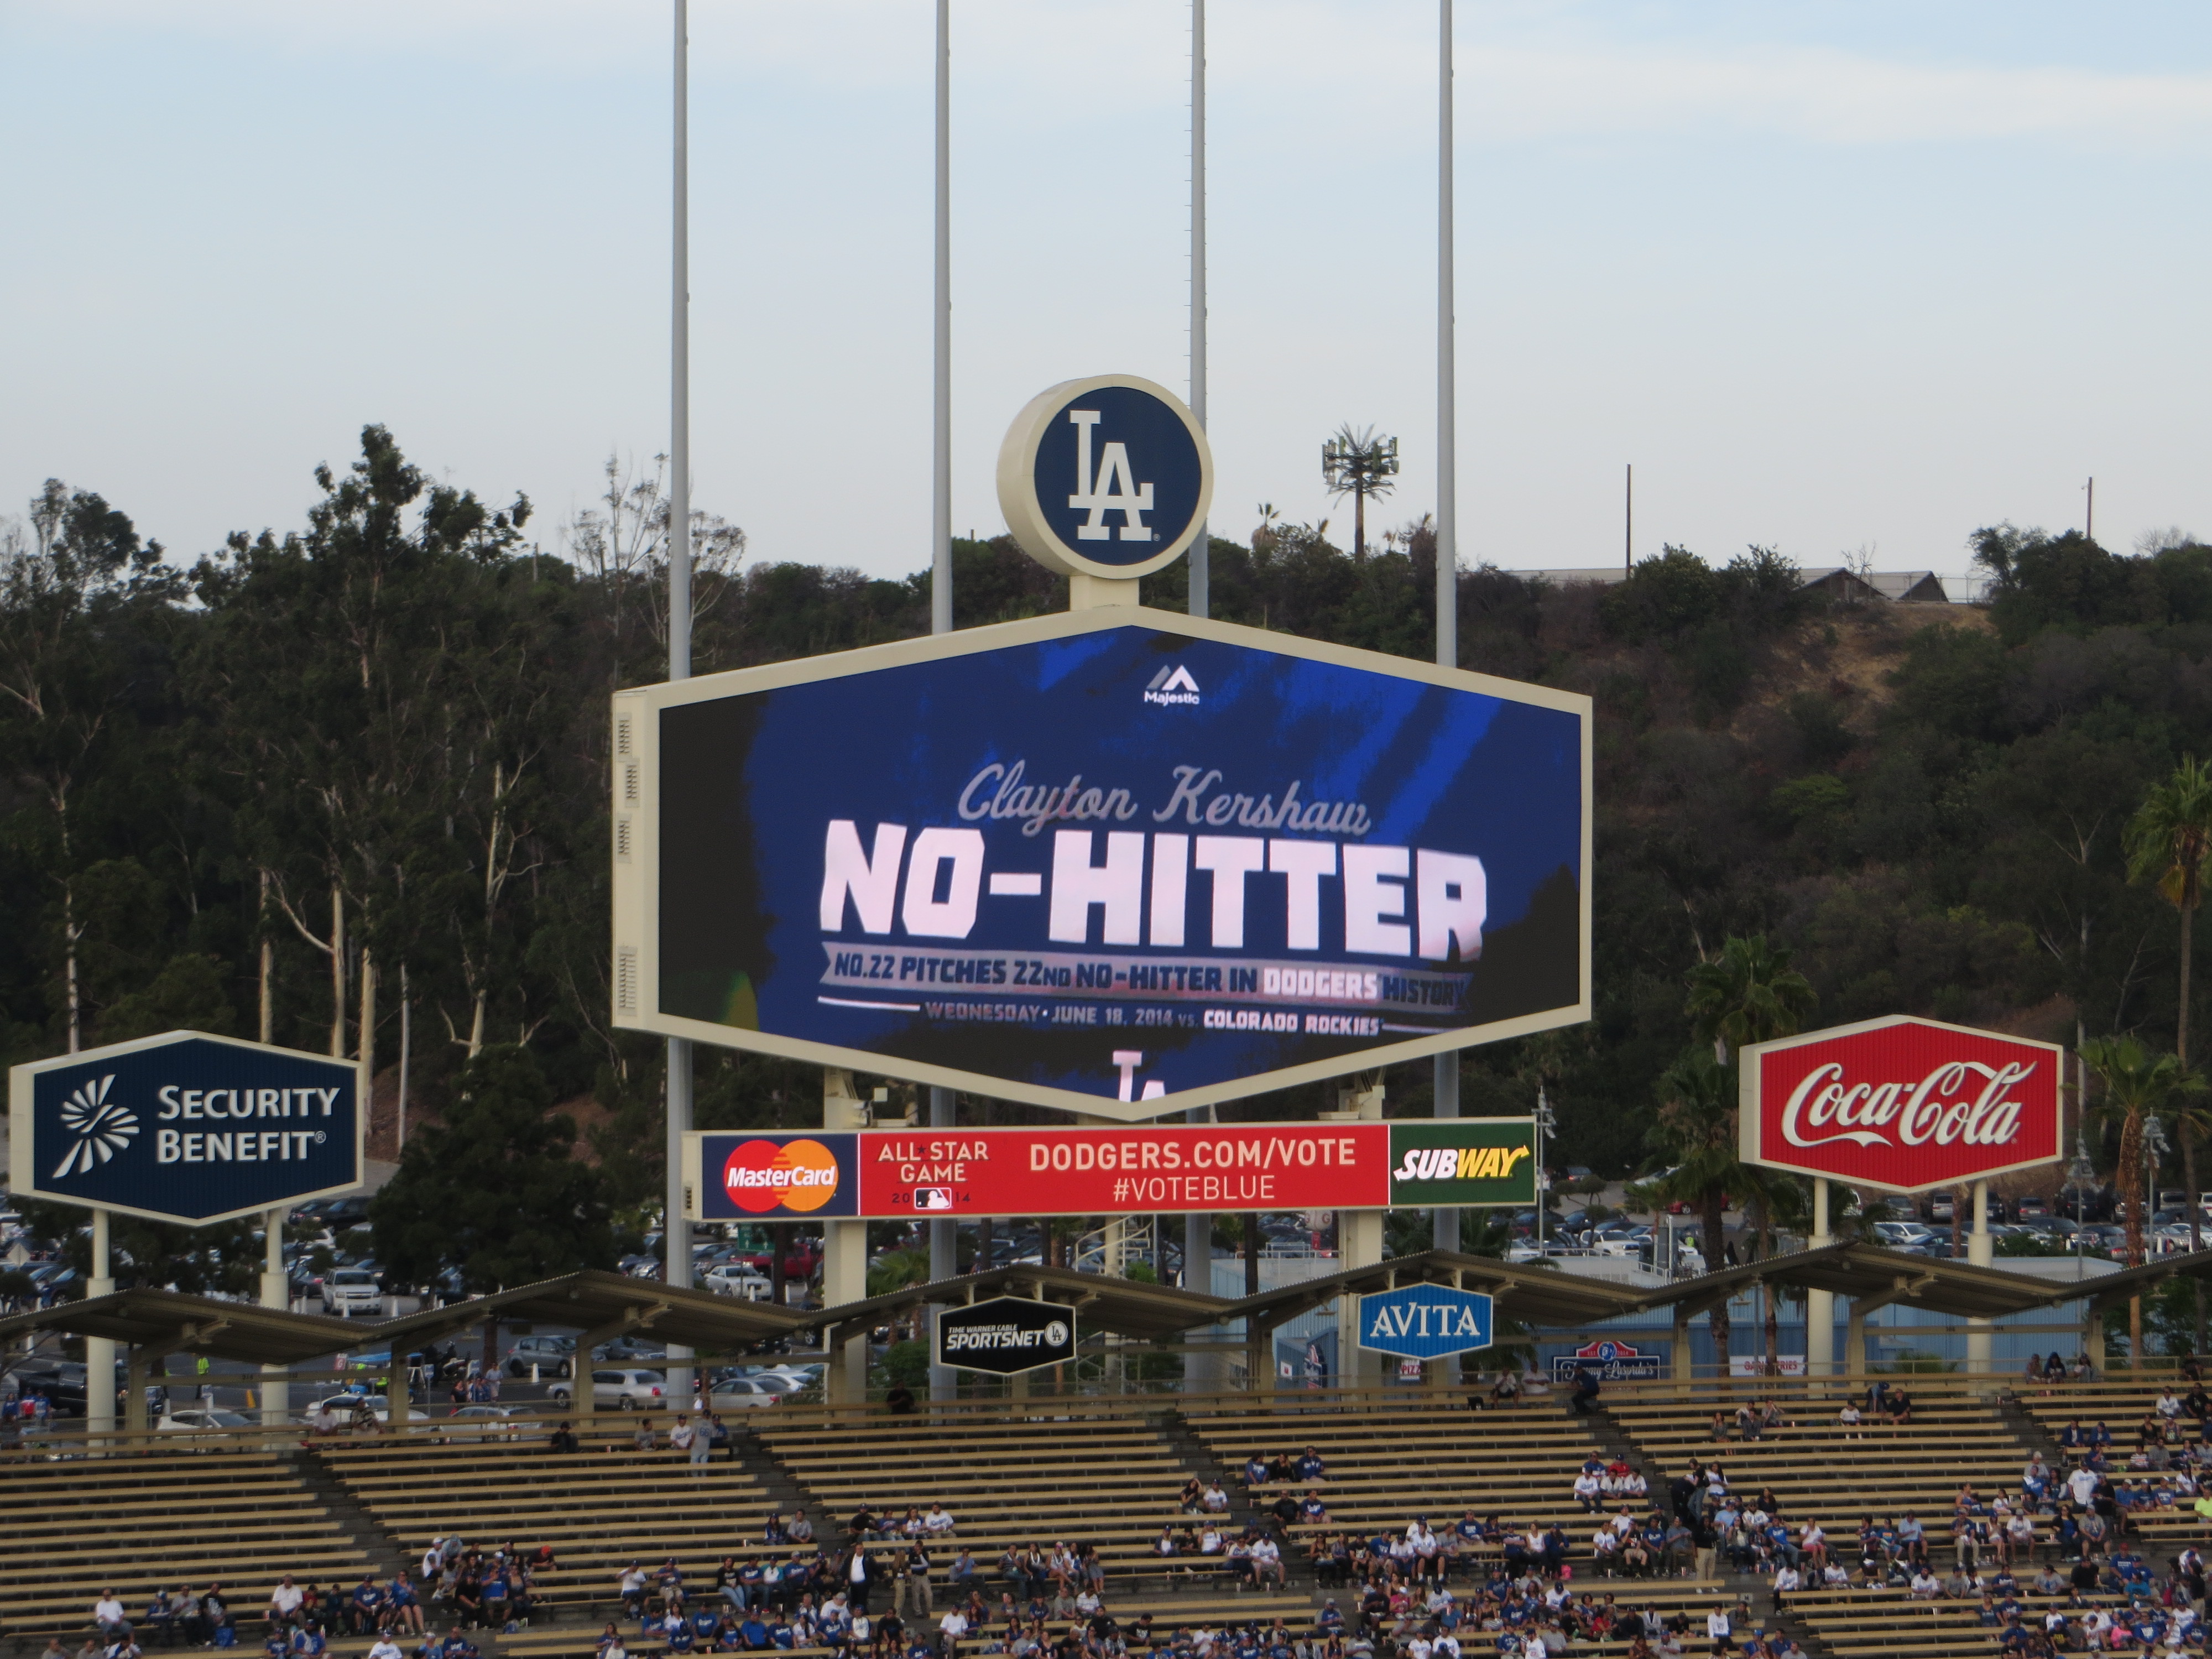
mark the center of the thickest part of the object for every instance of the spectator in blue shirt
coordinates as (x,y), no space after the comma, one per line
(753,1633)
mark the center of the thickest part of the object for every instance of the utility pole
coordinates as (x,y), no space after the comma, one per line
(675,1231)
(1445,1235)
(1628,523)
(2089,514)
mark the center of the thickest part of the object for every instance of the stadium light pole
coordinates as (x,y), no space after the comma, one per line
(1198,1225)
(1201,569)
(675,1231)
(943,1233)
(1446,1235)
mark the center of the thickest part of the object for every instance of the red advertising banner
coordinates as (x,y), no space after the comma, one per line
(1901,1104)
(1276,1166)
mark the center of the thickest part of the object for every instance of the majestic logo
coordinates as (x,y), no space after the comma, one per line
(798,1174)
(102,1126)
(1172,686)
(1112,488)
(1943,1107)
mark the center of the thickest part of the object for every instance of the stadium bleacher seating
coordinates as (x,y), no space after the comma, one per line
(140,1523)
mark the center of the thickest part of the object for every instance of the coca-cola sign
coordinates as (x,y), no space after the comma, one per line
(1901,1104)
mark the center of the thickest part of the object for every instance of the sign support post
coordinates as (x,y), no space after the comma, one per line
(99,1350)
(1359,1244)
(1819,1305)
(844,1256)
(1981,1250)
(276,1389)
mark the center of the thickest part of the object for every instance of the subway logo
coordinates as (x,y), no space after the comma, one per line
(1459,1163)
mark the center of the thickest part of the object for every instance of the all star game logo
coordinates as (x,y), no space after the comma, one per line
(1172,686)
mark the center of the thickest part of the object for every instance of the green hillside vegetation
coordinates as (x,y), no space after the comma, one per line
(395,712)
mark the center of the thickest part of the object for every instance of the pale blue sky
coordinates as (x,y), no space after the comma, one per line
(1832,276)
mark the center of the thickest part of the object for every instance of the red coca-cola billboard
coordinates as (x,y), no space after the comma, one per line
(1901,1104)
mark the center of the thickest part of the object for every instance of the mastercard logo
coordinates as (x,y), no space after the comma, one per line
(799,1175)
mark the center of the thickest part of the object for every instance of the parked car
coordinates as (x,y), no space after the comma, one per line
(1940,1207)
(1902,1235)
(199,1420)
(482,1423)
(737,1393)
(349,1290)
(630,1390)
(738,1279)
(553,1355)
(347,1407)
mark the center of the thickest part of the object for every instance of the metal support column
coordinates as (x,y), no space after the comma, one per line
(675,1230)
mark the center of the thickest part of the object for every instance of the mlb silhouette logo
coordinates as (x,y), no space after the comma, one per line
(932,1198)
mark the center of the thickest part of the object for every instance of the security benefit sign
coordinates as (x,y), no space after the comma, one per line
(184,1127)
(1118,862)
(1004,1336)
(1424,1321)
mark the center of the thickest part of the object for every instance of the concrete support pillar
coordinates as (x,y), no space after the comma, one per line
(1360,1241)
(2093,1339)
(1359,1235)
(1980,1251)
(1680,1368)
(275,1292)
(1821,1305)
(99,1350)
(1854,1340)
(1201,1373)
(844,1255)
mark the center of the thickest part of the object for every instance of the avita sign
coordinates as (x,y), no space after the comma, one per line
(1901,1104)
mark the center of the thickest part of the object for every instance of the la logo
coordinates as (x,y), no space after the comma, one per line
(1112,488)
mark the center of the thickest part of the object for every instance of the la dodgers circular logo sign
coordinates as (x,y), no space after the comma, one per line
(798,1174)
(1105,477)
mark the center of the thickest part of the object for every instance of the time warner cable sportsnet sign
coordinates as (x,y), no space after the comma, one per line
(884,1174)
(1901,1104)
(184,1127)
(1119,860)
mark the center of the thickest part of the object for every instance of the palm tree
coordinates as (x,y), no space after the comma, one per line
(2136,1083)
(1746,994)
(1695,1132)
(2167,842)
(1359,464)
